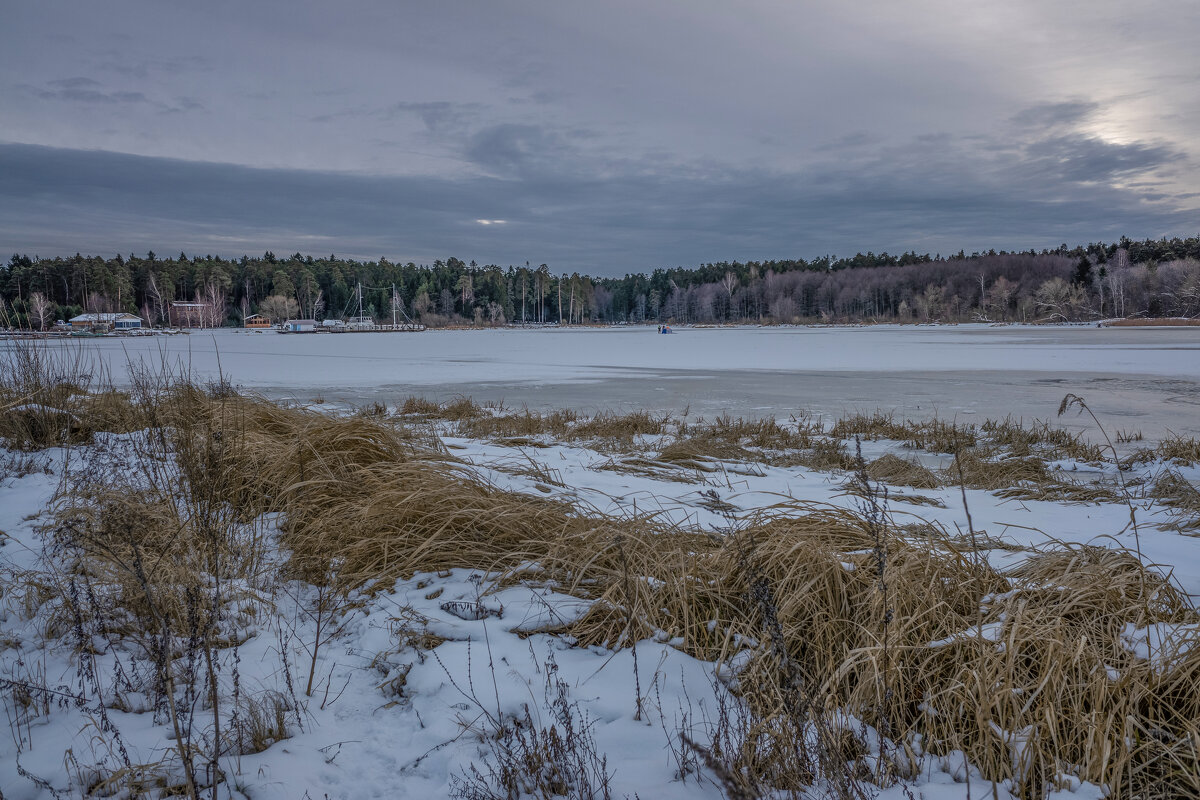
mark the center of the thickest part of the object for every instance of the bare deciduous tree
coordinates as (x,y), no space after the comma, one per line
(1000,296)
(39,310)
(1059,301)
(278,308)
(212,309)
(729,283)
(156,299)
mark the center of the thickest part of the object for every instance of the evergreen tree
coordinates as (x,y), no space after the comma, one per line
(1083,272)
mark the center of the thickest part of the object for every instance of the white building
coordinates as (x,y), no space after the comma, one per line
(300,325)
(116,322)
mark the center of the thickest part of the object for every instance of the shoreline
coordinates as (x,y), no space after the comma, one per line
(1124,322)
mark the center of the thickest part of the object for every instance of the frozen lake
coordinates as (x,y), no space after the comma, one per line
(1144,379)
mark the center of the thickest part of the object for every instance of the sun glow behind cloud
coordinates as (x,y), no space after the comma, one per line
(491,221)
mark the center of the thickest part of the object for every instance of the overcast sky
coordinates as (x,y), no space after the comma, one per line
(604,137)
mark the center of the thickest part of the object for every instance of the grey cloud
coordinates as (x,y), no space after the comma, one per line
(1088,159)
(542,97)
(91,92)
(72,94)
(1050,115)
(74,83)
(850,141)
(512,149)
(633,221)
(122,63)
(184,104)
(438,116)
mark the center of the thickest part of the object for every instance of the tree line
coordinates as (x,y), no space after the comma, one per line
(1125,278)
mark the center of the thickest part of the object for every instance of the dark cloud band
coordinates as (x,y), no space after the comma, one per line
(56,201)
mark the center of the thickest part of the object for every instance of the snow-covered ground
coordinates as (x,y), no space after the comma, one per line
(390,720)
(1146,379)
(1023,525)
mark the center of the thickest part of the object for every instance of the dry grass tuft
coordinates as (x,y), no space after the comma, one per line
(418,406)
(1023,478)
(619,427)
(1179,450)
(979,472)
(606,430)
(458,409)
(47,398)
(902,472)
(649,468)
(934,435)
(529,467)
(461,408)
(766,434)
(1182,497)
(524,424)
(262,721)
(966,658)
(823,454)
(1041,438)
(870,426)
(702,453)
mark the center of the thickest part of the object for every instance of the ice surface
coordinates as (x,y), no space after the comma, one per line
(1145,379)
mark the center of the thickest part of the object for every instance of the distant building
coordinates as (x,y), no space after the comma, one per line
(257,321)
(192,315)
(115,322)
(300,325)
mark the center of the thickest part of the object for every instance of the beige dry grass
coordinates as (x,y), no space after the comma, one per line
(1180,450)
(902,472)
(702,453)
(977,470)
(650,468)
(1041,438)
(1152,322)
(1182,497)
(419,406)
(619,427)
(524,424)
(51,396)
(870,426)
(606,430)
(969,657)
(764,434)
(1023,478)
(457,409)
(934,435)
